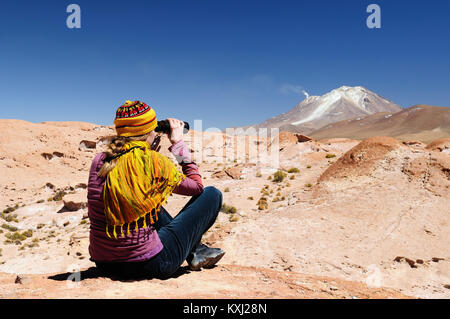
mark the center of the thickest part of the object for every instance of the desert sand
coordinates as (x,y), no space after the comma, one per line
(350,219)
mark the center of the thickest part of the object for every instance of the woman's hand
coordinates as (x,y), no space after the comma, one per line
(176,130)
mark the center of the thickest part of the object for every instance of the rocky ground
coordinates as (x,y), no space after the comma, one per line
(341,219)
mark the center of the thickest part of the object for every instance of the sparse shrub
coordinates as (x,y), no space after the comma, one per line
(258,174)
(269,178)
(82,222)
(278,176)
(9,210)
(9,217)
(233,218)
(39,226)
(262,203)
(28,233)
(9,227)
(264,192)
(59,196)
(309,185)
(293,170)
(34,243)
(226,190)
(16,237)
(250,198)
(262,200)
(309,166)
(276,199)
(51,234)
(330,155)
(278,194)
(292,177)
(228,209)
(40,201)
(261,207)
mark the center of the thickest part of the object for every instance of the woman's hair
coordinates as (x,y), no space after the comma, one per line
(115,148)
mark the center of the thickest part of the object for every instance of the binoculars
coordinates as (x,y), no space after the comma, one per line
(164,127)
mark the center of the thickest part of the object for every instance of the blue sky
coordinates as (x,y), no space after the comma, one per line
(229,63)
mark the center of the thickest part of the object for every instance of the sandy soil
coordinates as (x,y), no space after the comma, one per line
(372,221)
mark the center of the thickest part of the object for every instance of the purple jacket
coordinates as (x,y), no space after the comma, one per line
(145,243)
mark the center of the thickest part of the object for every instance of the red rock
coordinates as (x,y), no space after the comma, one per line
(303,138)
(74,202)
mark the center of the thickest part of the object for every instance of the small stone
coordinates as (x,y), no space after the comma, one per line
(81,185)
(85,145)
(22,280)
(47,156)
(66,223)
(50,185)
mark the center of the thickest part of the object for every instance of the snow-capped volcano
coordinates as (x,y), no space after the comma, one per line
(340,104)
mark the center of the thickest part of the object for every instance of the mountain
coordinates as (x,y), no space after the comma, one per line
(340,104)
(420,122)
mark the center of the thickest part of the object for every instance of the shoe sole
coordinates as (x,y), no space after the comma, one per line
(208,263)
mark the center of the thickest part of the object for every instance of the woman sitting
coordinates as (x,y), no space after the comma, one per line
(131,233)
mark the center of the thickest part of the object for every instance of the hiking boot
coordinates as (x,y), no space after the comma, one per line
(204,257)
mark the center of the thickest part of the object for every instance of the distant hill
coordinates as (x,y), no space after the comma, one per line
(420,122)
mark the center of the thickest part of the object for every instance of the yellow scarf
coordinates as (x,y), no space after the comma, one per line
(138,186)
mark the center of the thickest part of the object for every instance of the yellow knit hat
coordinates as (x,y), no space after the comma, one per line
(134,118)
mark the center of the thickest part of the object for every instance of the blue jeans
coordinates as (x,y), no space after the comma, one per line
(179,236)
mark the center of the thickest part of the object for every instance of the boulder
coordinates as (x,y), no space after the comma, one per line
(74,202)
(234,172)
